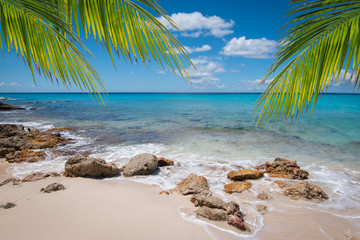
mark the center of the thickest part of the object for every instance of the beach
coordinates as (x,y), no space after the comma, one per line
(211,138)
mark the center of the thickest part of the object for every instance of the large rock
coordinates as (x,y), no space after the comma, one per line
(142,164)
(305,190)
(237,187)
(164,162)
(81,166)
(284,168)
(244,174)
(212,213)
(39,176)
(193,184)
(7,107)
(53,187)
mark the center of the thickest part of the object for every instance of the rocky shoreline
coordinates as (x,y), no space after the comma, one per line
(19,144)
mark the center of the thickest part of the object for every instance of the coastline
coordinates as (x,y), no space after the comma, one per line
(133,210)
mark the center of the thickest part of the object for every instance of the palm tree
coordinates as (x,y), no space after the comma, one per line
(320,44)
(42,32)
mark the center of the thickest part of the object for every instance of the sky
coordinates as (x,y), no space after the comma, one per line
(232,44)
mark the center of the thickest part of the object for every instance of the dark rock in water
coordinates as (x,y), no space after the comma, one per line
(14,181)
(53,188)
(209,201)
(8,205)
(39,176)
(81,166)
(142,164)
(244,174)
(238,223)
(25,155)
(194,184)
(237,187)
(284,168)
(305,190)
(164,162)
(212,213)
(263,196)
(7,107)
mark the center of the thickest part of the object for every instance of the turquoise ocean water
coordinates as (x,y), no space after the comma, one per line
(209,134)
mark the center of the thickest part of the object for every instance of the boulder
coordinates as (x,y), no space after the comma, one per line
(212,213)
(237,187)
(39,176)
(164,162)
(14,181)
(263,196)
(81,166)
(244,174)
(237,222)
(209,201)
(25,155)
(305,190)
(8,205)
(142,164)
(283,168)
(53,187)
(7,107)
(194,184)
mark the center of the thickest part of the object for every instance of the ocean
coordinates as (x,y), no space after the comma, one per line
(208,134)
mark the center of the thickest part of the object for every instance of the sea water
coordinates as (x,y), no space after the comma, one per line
(208,134)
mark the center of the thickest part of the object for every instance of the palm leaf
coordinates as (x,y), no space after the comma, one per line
(316,46)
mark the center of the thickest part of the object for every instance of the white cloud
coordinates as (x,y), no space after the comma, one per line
(204,76)
(203,48)
(252,85)
(15,84)
(250,48)
(2,84)
(195,24)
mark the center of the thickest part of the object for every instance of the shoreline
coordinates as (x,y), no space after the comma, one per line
(137,211)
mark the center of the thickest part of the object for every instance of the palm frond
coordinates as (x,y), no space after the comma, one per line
(38,32)
(318,44)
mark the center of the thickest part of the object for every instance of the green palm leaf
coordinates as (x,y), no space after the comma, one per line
(42,33)
(322,41)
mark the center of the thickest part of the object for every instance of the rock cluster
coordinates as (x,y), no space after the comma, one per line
(16,143)
(81,166)
(284,168)
(193,184)
(7,107)
(305,190)
(216,209)
(53,187)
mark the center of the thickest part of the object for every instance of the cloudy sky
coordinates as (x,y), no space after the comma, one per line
(232,43)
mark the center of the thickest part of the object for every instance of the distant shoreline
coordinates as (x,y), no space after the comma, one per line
(174,93)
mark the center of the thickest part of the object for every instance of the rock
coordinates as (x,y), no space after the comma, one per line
(209,201)
(261,208)
(142,164)
(14,181)
(212,213)
(25,155)
(53,188)
(164,193)
(194,184)
(305,190)
(245,174)
(164,162)
(284,168)
(81,166)
(282,184)
(39,176)
(7,107)
(238,223)
(8,205)
(237,187)
(263,196)
(60,129)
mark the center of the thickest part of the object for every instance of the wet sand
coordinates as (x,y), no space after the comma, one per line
(103,209)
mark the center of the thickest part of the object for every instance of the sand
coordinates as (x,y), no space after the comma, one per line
(102,209)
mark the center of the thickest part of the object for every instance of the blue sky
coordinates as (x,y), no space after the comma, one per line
(232,44)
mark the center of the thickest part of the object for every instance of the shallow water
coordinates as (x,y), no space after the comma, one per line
(209,134)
